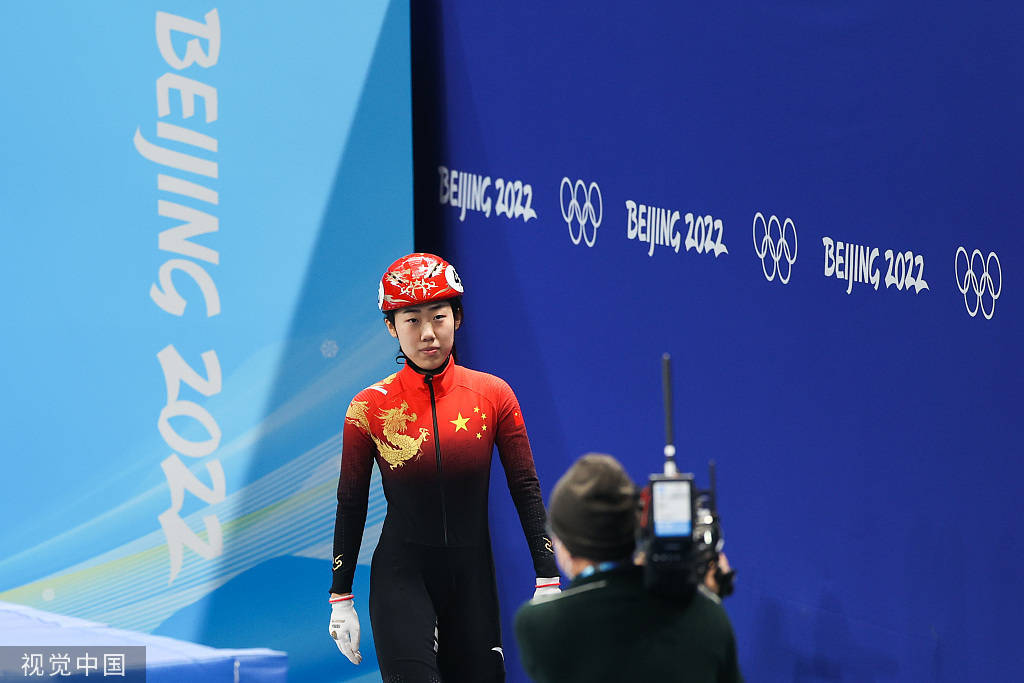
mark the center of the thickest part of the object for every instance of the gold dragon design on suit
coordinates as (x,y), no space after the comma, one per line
(396,447)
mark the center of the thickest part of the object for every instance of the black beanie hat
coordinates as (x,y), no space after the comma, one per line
(593,509)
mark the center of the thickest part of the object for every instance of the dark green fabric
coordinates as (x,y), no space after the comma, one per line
(606,627)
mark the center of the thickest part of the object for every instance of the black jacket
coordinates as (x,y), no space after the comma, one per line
(607,627)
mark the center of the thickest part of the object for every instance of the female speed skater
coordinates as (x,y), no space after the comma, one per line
(431,428)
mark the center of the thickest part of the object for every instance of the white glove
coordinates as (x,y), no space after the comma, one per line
(546,587)
(345,628)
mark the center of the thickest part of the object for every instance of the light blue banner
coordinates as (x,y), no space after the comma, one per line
(197,202)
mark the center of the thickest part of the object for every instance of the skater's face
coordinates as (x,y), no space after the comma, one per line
(426,332)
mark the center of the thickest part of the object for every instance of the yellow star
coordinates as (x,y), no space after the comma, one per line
(484,428)
(478,435)
(460,422)
(477,409)
(484,416)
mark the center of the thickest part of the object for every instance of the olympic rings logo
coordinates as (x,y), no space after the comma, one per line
(771,241)
(582,214)
(971,283)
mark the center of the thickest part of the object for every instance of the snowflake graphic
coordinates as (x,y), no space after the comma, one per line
(329,348)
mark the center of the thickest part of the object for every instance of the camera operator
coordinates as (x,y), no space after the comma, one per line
(606,626)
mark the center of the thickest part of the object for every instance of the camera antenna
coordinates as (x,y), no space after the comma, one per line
(714,487)
(666,385)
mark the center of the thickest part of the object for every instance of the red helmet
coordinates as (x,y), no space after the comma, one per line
(417,279)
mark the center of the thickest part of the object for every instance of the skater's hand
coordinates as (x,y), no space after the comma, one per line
(546,587)
(345,627)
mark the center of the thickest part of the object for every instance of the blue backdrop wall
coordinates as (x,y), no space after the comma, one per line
(170,462)
(814,208)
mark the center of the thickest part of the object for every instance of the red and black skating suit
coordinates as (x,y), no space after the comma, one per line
(432,437)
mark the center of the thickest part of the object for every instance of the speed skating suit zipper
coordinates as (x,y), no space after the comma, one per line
(437,453)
